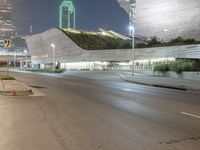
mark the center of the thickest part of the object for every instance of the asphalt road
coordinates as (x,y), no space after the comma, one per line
(98,111)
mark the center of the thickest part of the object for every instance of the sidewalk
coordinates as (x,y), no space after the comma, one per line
(165,82)
(14,88)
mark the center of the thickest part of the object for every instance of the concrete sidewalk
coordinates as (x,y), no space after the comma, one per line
(165,82)
(14,88)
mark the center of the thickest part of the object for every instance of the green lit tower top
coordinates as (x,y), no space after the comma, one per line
(67,14)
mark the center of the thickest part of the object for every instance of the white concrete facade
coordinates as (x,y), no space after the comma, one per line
(71,56)
(66,51)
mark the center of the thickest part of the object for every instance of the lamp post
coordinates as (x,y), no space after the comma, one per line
(14,59)
(26,53)
(53,47)
(15,55)
(133,49)
(7,70)
(132,15)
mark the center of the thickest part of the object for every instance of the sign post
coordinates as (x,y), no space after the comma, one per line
(7,45)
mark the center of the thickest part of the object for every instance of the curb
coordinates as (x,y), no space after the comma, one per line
(159,85)
(19,90)
(16,93)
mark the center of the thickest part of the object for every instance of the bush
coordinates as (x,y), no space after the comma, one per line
(46,70)
(95,41)
(161,67)
(179,66)
(182,65)
(176,67)
(6,77)
(140,45)
(154,41)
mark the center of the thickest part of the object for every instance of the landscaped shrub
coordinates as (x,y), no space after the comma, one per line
(179,66)
(95,41)
(176,66)
(186,65)
(141,45)
(161,67)
(6,77)
(47,70)
(155,42)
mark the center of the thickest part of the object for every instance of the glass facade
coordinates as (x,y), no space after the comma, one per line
(7,27)
(67,15)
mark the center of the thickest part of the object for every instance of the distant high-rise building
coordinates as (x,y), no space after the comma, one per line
(165,19)
(7,27)
(67,14)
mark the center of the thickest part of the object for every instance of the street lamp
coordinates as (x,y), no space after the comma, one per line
(53,47)
(132,15)
(25,51)
(132,30)
(14,58)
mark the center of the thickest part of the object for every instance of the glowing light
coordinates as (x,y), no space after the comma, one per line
(131,28)
(25,51)
(53,45)
(165,30)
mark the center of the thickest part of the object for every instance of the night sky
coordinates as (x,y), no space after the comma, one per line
(90,15)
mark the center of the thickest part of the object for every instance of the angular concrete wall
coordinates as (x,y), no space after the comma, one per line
(67,51)
(181,17)
(185,51)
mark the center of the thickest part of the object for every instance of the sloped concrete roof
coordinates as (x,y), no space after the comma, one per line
(67,51)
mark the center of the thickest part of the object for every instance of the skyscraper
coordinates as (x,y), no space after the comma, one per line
(166,19)
(67,14)
(7,28)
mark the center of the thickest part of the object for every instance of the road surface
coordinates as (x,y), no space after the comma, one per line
(98,111)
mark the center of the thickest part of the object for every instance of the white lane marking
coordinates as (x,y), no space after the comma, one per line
(189,114)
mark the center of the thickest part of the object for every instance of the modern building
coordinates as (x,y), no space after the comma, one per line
(7,27)
(71,51)
(165,19)
(67,15)
(162,18)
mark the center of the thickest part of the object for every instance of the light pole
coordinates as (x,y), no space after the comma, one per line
(15,55)
(26,53)
(14,59)
(7,70)
(53,47)
(132,18)
(133,49)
